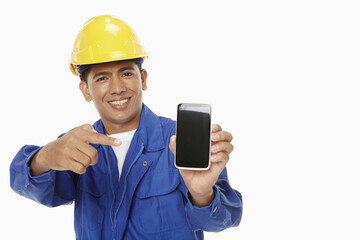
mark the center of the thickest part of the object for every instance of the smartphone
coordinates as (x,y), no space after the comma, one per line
(193,131)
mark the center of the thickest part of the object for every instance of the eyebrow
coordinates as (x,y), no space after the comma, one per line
(101,73)
(109,73)
(125,68)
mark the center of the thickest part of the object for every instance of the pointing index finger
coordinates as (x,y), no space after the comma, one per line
(98,138)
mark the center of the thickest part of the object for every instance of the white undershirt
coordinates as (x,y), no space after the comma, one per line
(121,151)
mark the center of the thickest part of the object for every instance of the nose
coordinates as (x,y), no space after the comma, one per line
(117,86)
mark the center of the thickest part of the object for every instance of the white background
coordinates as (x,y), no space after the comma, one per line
(282,77)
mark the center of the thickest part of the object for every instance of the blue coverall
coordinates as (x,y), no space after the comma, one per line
(150,201)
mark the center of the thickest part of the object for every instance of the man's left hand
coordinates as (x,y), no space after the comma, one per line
(200,183)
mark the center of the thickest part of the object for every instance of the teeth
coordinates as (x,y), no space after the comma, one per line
(119,102)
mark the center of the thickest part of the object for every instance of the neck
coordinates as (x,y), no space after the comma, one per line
(113,128)
(119,128)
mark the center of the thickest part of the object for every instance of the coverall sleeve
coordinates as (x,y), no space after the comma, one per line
(224,211)
(52,188)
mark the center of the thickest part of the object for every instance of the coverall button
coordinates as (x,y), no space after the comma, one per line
(215,208)
(144,163)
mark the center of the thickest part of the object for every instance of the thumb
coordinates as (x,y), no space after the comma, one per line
(172,144)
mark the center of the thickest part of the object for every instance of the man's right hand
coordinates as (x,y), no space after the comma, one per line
(71,152)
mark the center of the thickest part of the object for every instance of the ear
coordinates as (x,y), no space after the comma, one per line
(143,79)
(85,90)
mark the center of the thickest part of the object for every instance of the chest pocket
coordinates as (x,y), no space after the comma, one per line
(92,182)
(158,203)
(89,208)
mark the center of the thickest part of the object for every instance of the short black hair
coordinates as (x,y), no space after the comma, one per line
(85,74)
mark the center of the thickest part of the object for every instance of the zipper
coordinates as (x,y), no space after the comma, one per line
(122,197)
(113,228)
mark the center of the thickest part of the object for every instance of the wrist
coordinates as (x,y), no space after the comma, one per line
(203,199)
(37,168)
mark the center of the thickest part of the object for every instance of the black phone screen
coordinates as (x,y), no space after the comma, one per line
(193,136)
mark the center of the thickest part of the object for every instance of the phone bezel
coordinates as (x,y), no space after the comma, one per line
(195,105)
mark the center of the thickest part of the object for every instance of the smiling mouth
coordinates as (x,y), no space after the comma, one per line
(119,102)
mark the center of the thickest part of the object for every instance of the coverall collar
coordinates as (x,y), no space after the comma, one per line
(149,130)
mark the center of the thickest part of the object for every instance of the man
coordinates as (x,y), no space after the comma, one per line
(120,171)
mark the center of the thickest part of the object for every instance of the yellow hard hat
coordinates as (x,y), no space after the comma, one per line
(103,39)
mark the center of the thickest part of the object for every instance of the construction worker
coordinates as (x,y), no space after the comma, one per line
(120,171)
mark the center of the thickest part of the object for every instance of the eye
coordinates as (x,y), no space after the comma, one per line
(101,79)
(127,74)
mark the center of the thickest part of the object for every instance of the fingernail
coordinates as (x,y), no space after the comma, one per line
(117,141)
(214,148)
(212,158)
(215,136)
